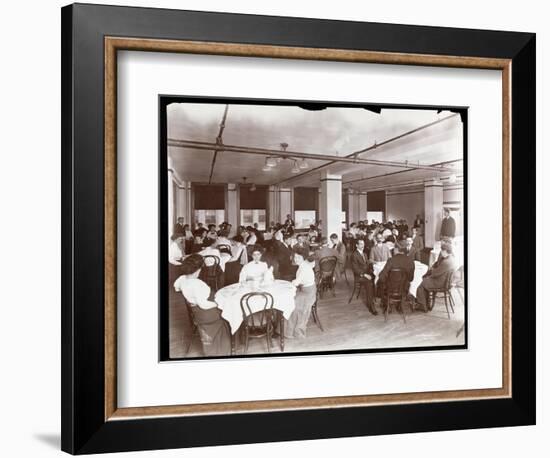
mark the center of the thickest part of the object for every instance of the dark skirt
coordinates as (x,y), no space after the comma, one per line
(214,331)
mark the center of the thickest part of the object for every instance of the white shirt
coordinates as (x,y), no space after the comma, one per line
(174,253)
(195,291)
(209,251)
(304,275)
(254,270)
(251,239)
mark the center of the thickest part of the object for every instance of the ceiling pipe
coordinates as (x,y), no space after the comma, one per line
(294,154)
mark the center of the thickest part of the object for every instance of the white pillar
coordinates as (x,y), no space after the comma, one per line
(433,210)
(285,202)
(273,205)
(362,197)
(331,204)
(232,207)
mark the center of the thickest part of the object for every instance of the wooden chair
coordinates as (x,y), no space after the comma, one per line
(327,268)
(193,324)
(445,291)
(358,285)
(396,291)
(211,267)
(260,324)
(315,315)
(224,248)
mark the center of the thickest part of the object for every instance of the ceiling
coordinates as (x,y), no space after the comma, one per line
(332,131)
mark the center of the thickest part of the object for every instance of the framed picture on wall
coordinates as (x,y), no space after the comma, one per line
(258,209)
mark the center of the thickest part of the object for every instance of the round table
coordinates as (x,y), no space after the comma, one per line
(229,300)
(420,270)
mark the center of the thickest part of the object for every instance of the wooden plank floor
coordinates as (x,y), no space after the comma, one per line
(346,326)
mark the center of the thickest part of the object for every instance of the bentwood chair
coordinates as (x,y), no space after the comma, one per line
(193,325)
(396,292)
(327,267)
(261,323)
(224,248)
(211,269)
(358,285)
(315,315)
(445,292)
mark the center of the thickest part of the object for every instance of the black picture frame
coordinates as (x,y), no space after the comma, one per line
(85,428)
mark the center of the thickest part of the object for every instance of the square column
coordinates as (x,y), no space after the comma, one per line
(232,207)
(362,197)
(285,204)
(331,204)
(273,213)
(433,211)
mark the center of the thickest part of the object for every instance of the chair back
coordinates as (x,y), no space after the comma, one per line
(211,260)
(449,279)
(224,248)
(327,265)
(260,318)
(395,282)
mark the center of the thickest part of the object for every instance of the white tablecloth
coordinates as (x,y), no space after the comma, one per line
(229,300)
(419,271)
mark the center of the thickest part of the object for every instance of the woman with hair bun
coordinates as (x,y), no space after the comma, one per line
(213,329)
(306,295)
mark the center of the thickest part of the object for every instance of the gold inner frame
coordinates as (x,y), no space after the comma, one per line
(114,44)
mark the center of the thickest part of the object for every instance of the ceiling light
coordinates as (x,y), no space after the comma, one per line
(253,187)
(303,164)
(295,168)
(271,162)
(266,168)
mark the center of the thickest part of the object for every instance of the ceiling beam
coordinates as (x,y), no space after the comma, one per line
(295,154)
(219,141)
(372,147)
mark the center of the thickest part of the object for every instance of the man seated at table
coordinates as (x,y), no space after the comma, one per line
(340,249)
(436,276)
(379,252)
(256,269)
(407,248)
(301,241)
(399,260)
(323,252)
(362,271)
(213,329)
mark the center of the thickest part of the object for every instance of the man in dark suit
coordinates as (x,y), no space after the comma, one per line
(399,260)
(448,225)
(178,227)
(362,271)
(283,253)
(436,276)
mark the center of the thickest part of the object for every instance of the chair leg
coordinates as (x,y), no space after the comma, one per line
(282,331)
(451,301)
(316,317)
(403,310)
(386,308)
(352,293)
(446,305)
(346,276)
(245,340)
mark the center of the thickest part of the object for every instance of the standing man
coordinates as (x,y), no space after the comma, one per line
(362,271)
(418,222)
(178,227)
(448,225)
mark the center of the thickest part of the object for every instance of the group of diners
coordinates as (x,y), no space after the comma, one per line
(282,253)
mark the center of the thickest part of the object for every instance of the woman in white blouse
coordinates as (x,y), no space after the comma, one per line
(306,295)
(255,269)
(213,329)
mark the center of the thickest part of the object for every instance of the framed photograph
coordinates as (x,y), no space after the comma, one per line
(272,221)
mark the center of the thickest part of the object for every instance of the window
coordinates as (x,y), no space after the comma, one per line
(253,203)
(376,216)
(210,217)
(209,204)
(251,216)
(304,218)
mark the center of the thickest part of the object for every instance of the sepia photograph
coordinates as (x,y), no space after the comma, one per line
(310,227)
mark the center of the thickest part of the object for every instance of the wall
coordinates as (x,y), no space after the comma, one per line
(404,205)
(31,410)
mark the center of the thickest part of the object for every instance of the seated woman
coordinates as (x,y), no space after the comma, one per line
(234,264)
(175,255)
(306,295)
(213,329)
(313,234)
(256,269)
